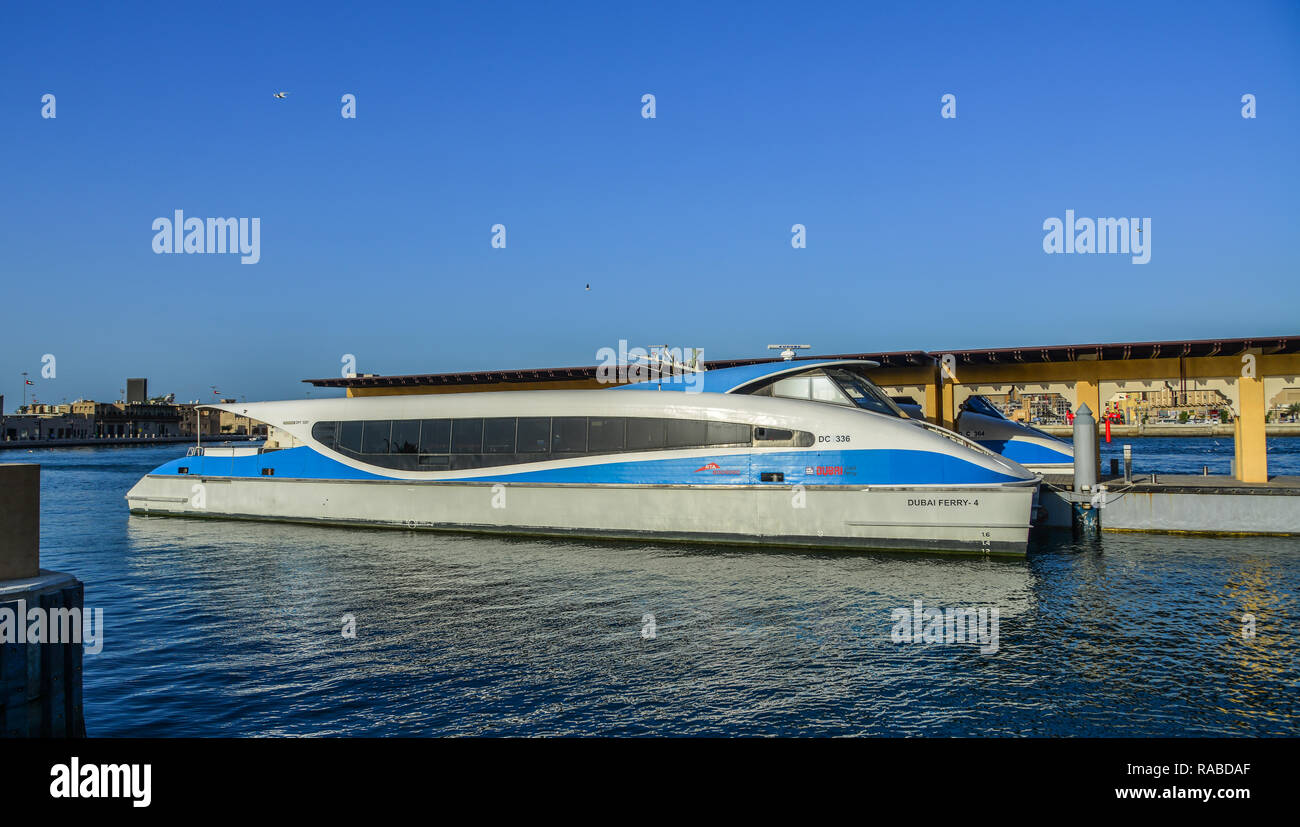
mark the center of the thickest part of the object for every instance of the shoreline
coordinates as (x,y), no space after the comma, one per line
(1228,430)
(33,444)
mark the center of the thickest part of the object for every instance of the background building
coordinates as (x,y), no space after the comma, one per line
(137,391)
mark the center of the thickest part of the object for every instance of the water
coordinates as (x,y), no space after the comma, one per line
(1186,455)
(227,628)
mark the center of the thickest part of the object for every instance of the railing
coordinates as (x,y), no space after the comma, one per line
(224,451)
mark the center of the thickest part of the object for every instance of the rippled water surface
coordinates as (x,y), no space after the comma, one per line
(1189,455)
(229,628)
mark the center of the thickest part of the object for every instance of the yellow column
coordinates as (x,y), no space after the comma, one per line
(930,404)
(1236,447)
(947,414)
(1087,393)
(1251,450)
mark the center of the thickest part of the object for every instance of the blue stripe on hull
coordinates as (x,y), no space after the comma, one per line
(1024,452)
(858,467)
(299,463)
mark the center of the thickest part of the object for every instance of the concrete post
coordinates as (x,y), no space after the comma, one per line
(20,521)
(40,680)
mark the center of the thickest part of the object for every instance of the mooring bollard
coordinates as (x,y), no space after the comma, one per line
(1086,461)
(40,680)
(1085,450)
(1114,466)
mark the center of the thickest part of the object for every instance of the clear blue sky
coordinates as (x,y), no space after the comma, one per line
(375,232)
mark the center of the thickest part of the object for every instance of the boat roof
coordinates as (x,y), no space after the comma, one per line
(298,415)
(728,380)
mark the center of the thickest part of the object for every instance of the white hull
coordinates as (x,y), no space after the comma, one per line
(978,519)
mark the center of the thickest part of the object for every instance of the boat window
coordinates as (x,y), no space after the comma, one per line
(646,434)
(435,436)
(569,434)
(466,436)
(729,433)
(793,387)
(534,434)
(499,435)
(980,405)
(406,436)
(324,433)
(864,393)
(815,386)
(824,390)
(350,435)
(605,433)
(837,386)
(686,433)
(464,444)
(783,438)
(375,437)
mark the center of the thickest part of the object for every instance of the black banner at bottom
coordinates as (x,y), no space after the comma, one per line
(336,776)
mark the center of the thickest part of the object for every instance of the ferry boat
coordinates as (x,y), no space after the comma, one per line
(979,420)
(1037,450)
(844,382)
(712,467)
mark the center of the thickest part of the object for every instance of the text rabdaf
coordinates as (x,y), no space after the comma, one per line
(220,235)
(920,625)
(72,780)
(1105,235)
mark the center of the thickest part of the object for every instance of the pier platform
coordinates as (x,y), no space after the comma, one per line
(1182,503)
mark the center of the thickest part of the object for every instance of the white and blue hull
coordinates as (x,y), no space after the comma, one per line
(972,519)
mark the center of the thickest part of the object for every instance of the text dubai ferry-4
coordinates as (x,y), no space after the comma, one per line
(717,467)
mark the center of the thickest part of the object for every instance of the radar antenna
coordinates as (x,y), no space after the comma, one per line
(787,351)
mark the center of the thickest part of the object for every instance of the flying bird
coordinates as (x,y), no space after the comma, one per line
(281,94)
(588,286)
